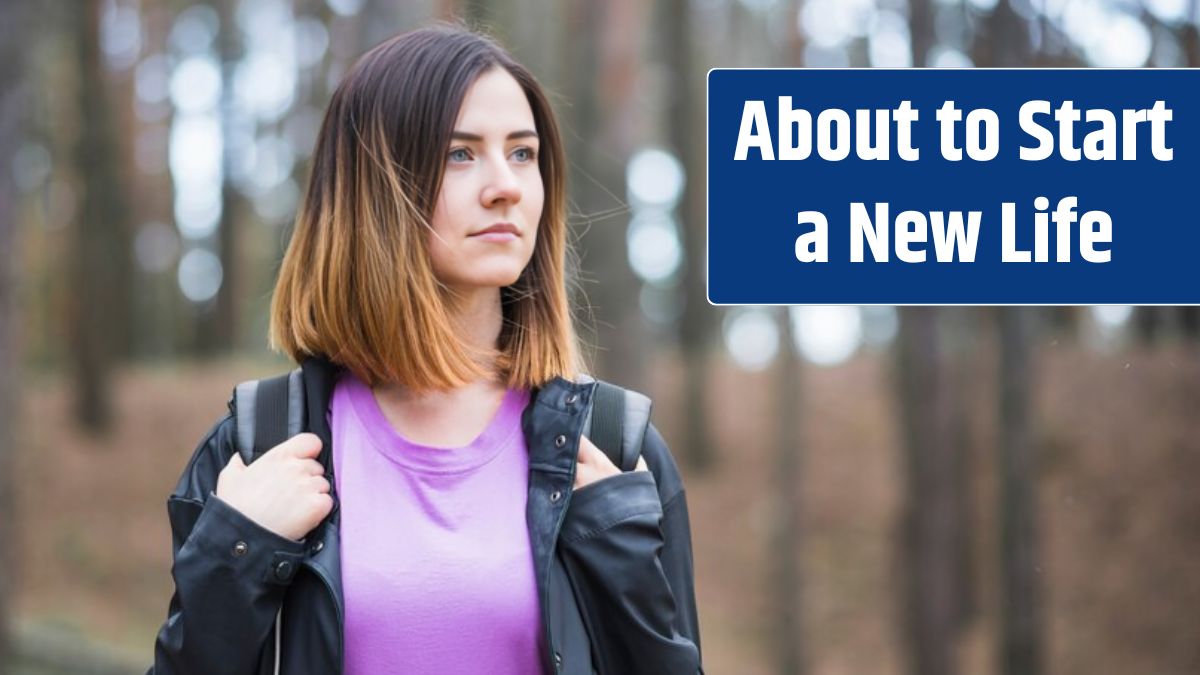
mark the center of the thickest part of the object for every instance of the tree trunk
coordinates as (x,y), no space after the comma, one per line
(1065,321)
(1189,323)
(1021,642)
(961,341)
(930,604)
(920,27)
(1150,324)
(14,94)
(1191,35)
(933,534)
(225,318)
(99,242)
(787,591)
(600,88)
(697,325)
(788,534)
(1003,40)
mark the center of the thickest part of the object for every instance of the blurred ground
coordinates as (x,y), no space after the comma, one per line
(1119,440)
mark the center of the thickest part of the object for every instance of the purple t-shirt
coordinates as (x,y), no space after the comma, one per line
(437,569)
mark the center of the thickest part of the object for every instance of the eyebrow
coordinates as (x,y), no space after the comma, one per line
(468,136)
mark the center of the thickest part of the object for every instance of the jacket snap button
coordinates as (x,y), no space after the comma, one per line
(557,660)
(560,441)
(283,570)
(555,496)
(240,548)
(572,398)
(318,546)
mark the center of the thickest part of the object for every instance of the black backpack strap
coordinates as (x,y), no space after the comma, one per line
(608,418)
(618,423)
(268,412)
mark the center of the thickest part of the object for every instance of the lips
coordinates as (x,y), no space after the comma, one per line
(498,228)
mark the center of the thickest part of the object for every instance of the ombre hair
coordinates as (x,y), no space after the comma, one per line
(357,284)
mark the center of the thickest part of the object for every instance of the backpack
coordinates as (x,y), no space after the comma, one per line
(272,410)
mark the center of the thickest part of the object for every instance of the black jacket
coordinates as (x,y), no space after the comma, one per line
(614,564)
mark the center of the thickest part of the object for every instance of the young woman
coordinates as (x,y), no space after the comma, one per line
(444,512)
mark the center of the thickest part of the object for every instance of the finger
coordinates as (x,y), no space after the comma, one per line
(594,454)
(321,485)
(585,450)
(301,445)
(601,460)
(313,468)
(582,477)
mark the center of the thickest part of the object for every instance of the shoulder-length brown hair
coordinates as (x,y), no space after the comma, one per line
(357,284)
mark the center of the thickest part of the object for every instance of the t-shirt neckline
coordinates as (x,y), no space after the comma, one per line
(498,435)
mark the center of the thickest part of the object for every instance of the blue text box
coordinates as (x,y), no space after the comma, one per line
(1151,202)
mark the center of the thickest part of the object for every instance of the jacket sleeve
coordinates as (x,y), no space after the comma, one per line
(627,543)
(229,580)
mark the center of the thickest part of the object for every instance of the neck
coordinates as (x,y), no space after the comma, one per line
(478,314)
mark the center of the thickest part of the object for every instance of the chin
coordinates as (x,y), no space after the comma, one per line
(491,277)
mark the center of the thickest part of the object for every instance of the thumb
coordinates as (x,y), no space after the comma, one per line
(585,450)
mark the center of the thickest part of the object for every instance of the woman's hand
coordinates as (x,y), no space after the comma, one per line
(284,490)
(593,465)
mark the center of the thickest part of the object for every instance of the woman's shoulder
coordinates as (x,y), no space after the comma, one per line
(211,454)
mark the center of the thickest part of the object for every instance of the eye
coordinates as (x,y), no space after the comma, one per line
(524,154)
(459,155)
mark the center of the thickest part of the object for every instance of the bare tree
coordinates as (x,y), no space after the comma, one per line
(1189,322)
(920,26)
(1154,325)
(1003,39)
(1066,322)
(1191,35)
(14,93)
(930,603)
(600,69)
(1021,636)
(961,349)
(218,330)
(934,540)
(697,326)
(786,535)
(100,238)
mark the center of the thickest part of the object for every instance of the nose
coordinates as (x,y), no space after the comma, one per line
(502,186)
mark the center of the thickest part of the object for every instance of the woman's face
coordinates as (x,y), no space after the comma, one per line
(486,217)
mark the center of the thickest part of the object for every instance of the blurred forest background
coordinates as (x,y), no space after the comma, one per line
(873,490)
